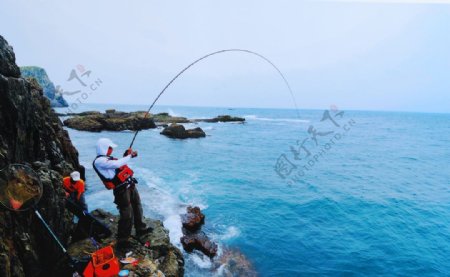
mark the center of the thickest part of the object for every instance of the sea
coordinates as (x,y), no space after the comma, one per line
(325,192)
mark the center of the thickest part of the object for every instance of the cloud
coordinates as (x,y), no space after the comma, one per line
(394,1)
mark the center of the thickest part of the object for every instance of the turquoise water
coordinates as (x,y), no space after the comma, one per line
(377,202)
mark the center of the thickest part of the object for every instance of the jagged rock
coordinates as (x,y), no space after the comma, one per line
(178,131)
(193,219)
(159,256)
(112,120)
(31,133)
(193,238)
(38,73)
(222,118)
(8,66)
(199,241)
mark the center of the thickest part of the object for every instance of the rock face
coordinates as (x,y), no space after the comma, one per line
(194,238)
(8,66)
(38,73)
(31,133)
(154,251)
(110,121)
(178,131)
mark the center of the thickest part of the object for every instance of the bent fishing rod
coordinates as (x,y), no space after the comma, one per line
(207,56)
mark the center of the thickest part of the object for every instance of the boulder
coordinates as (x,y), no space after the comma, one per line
(178,131)
(193,238)
(199,241)
(193,219)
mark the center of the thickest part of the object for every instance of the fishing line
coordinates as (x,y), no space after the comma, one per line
(209,55)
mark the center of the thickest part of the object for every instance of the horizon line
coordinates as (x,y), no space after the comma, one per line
(274,108)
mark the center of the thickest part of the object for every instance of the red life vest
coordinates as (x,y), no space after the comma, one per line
(123,175)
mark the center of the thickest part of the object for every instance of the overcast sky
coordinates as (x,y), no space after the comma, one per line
(366,54)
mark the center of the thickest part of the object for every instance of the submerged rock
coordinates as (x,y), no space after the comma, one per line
(112,120)
(38,73)
(178,131)
(233,263)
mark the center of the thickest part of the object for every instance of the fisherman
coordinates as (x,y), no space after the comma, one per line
(116,175)
(75,188)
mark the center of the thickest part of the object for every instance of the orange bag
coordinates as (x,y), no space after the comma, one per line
(103,264)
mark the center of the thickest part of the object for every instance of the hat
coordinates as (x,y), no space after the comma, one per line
(75,176)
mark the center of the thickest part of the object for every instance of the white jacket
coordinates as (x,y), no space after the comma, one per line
(105,166)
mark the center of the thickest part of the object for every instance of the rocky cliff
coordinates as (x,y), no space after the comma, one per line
(56,99)
(32,134)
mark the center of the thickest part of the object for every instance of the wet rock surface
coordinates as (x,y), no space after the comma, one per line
(199,241)
(178,131)
(154,252)
(193,238)
(193,219)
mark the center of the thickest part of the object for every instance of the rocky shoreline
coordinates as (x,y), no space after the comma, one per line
(31,133)
(155,255)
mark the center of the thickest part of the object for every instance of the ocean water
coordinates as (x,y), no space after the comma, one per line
(374,202)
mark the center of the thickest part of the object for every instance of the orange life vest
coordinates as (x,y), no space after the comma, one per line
(122,176)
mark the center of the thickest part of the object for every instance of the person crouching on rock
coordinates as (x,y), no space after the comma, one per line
(116,175)
(75,188)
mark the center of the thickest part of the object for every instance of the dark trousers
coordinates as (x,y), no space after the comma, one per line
(80,202)
(129,205)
